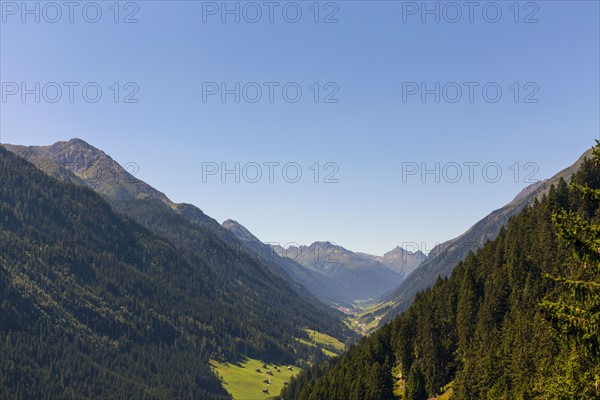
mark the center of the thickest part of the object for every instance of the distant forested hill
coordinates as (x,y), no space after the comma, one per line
(483,330)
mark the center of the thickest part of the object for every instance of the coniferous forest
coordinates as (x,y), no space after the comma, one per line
(300,200)
(96,306)
(518,319)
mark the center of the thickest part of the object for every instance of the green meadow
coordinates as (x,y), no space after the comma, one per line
(244,383)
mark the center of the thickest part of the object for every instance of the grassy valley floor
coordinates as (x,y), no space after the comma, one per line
(244,383)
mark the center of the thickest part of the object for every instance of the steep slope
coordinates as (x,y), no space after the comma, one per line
(444,257)
(483,329)
(191,231)
(357,276)
(321,286)
(95,306)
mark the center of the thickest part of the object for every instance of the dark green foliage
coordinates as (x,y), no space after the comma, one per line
(93,305)
(577,316)
(444,257)
(415,389)
(483,328)
(365,369)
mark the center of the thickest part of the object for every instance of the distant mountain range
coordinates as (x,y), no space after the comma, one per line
(324,288)
(335,275)
(358,275)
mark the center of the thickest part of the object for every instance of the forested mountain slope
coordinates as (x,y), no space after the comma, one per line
(444,257)
(188,228)
(93,305)
(484,329)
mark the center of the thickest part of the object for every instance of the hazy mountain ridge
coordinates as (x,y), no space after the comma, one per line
(318,275)
(359,275)
(399,260)
(444,257)
(324,288)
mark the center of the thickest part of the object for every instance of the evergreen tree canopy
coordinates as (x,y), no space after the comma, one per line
(496,328)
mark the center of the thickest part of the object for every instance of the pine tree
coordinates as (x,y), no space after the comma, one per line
(577,315)
(415,385)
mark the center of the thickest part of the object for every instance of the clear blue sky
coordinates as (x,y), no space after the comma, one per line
(370,133)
